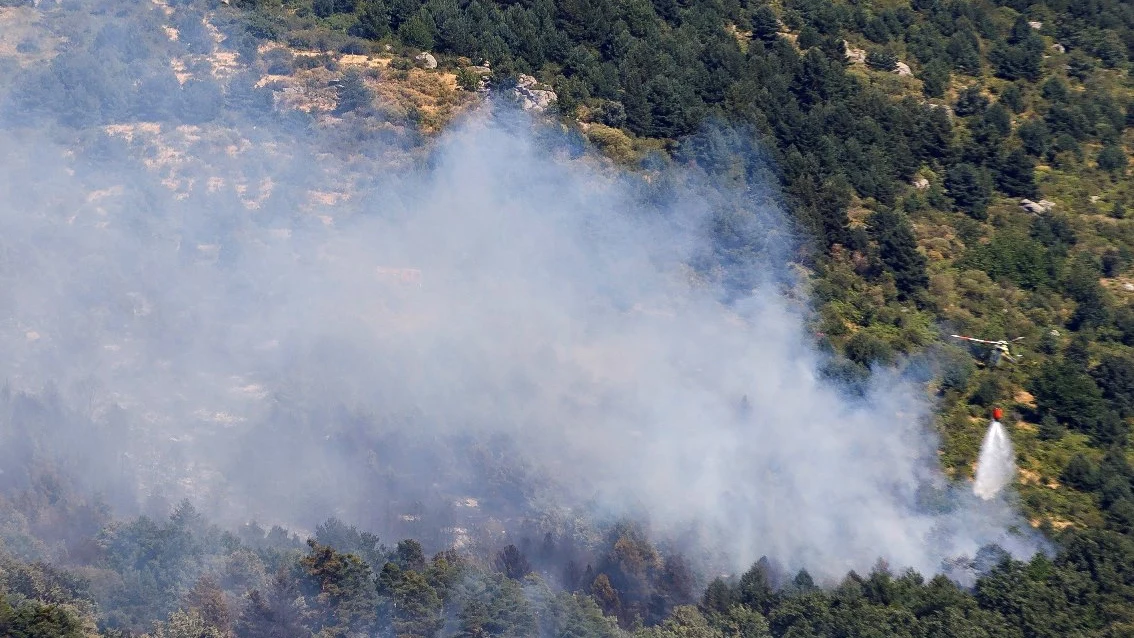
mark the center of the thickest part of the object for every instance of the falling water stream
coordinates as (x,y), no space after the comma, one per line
(996,466)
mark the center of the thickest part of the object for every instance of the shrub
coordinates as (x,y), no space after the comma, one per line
(882,60)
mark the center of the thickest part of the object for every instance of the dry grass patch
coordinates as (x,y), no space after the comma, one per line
(22,37)
(434,96)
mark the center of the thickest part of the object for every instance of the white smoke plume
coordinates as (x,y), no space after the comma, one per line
(286,334)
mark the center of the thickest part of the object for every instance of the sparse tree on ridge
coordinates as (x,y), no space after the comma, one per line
(352,92)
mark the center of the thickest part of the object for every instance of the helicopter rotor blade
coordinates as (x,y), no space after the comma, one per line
(973,339)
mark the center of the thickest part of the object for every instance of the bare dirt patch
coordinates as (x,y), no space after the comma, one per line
(22,37)
(364,61)
(1023,397)
(1056,523)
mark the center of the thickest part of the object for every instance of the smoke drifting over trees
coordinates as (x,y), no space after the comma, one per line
(205,300)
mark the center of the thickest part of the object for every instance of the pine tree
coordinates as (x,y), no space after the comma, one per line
(1013,98)
(417,607)
(970,101)
(756,589)
(473,619)
(765,24)
(418,31)
(808,37)
(882,60)
(512,563)
(1115,377)
(207,599)
(1112,159)
(935,79)
(718,597)
(964,51)
(897,249)
(1050,429)
(1016,174)
(339,588)
(968,186)
(1055,90)
(1035,136)
(606,596)
(182,624)
(373,20)
(1021,56)
(1081,473)
(410,555)
(273,615)
(352,92)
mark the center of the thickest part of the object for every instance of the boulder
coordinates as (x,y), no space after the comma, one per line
(920,183)
(1042,206)
(1035,24)
(427,60)
(854,55)
(903,69)
(532,99)
(1058,48)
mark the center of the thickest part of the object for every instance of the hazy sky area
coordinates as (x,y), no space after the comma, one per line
(215,310)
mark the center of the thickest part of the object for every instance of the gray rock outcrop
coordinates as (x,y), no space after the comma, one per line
(533,99)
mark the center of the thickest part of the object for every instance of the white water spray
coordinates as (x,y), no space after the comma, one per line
(996,465)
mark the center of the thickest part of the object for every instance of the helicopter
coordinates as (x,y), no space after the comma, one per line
(998,351)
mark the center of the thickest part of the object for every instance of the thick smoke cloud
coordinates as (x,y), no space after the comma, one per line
(225,311)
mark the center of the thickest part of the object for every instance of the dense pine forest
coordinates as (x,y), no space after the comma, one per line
(949,166)
(121,576)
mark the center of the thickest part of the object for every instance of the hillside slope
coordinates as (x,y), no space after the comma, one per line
(904,138)
(958,167)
